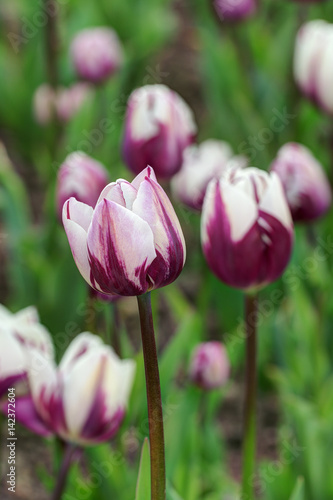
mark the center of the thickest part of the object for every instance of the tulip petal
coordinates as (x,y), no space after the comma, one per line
(27,415)
(76,218)
(82,344)
(147,173)
(153,205)
(121,248)
(274,202)
(12,357)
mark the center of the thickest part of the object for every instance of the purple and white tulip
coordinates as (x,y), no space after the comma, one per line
(200,165)
(210,366)
(20,334)
(84,399)
(131,242)
(82,177)
(70,100)
(313,68)
(234,10)
(96,54)
(44,104)
(246,228)
(305,184)
(159,126)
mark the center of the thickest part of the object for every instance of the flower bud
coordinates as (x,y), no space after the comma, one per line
(209,367)
(96,54)
(19,334)
(82,177)
(313,63)
(159,126)
(305,184)
(131,242)
(83,400)
(234,10)
(246,228)
(70,100)
(200,165)
(44,104)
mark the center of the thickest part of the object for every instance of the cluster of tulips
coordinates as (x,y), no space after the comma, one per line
(126,240)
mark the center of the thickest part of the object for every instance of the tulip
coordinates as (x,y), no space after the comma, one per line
(44,104)
(246,228)
(159,126)
(20,333)
(312,63)
(84,399)
(131,242)
(96,54)
(200,165)
(70,100)
(234,10)
(306,186)
(82,177)
(210,367)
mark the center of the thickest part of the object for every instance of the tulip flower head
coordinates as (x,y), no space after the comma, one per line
(200,165)
(20,333)
(131,242)
(209,367)
(246,228)
(313,68)
(306,186)
(96,54)
(159,126)
(44,100)
(84,399)
(234,10)
(82,177)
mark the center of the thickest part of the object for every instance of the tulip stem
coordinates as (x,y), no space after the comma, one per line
(63,472)
(156,434)
(249,438)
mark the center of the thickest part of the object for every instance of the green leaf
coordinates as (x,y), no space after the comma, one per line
(143,483)
(298,493)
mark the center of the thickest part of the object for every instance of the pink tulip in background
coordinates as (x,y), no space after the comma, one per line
(246,228)
(306,186)
(210,366)
(131,242)
(96,54)
(159,126)
(82,177)
(84,399)
(234,10)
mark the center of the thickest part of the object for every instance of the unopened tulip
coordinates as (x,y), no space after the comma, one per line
(306,186)
(20,333)
(209,367)
(82,177)
(131,242)
(313,68)
(246,228)
(44,103)
(234,10)
(70,100)
(96,54)
(159,126)
(83,400)
(200,165)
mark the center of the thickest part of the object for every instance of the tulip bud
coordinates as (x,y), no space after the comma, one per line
(44,104)
(83,400)
(305,184)
(96,54)
(312,63)
(234,10)
(159,126)
(19,334)
(246,228)
(210,367)
(131,242)
(82,177)
(200,165)
(70,100)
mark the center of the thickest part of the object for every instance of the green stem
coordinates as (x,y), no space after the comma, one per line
(249,440)
(63,472)
(156,434)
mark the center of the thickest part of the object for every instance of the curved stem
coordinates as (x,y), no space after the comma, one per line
(249,440)
(156,434)
(63,472)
